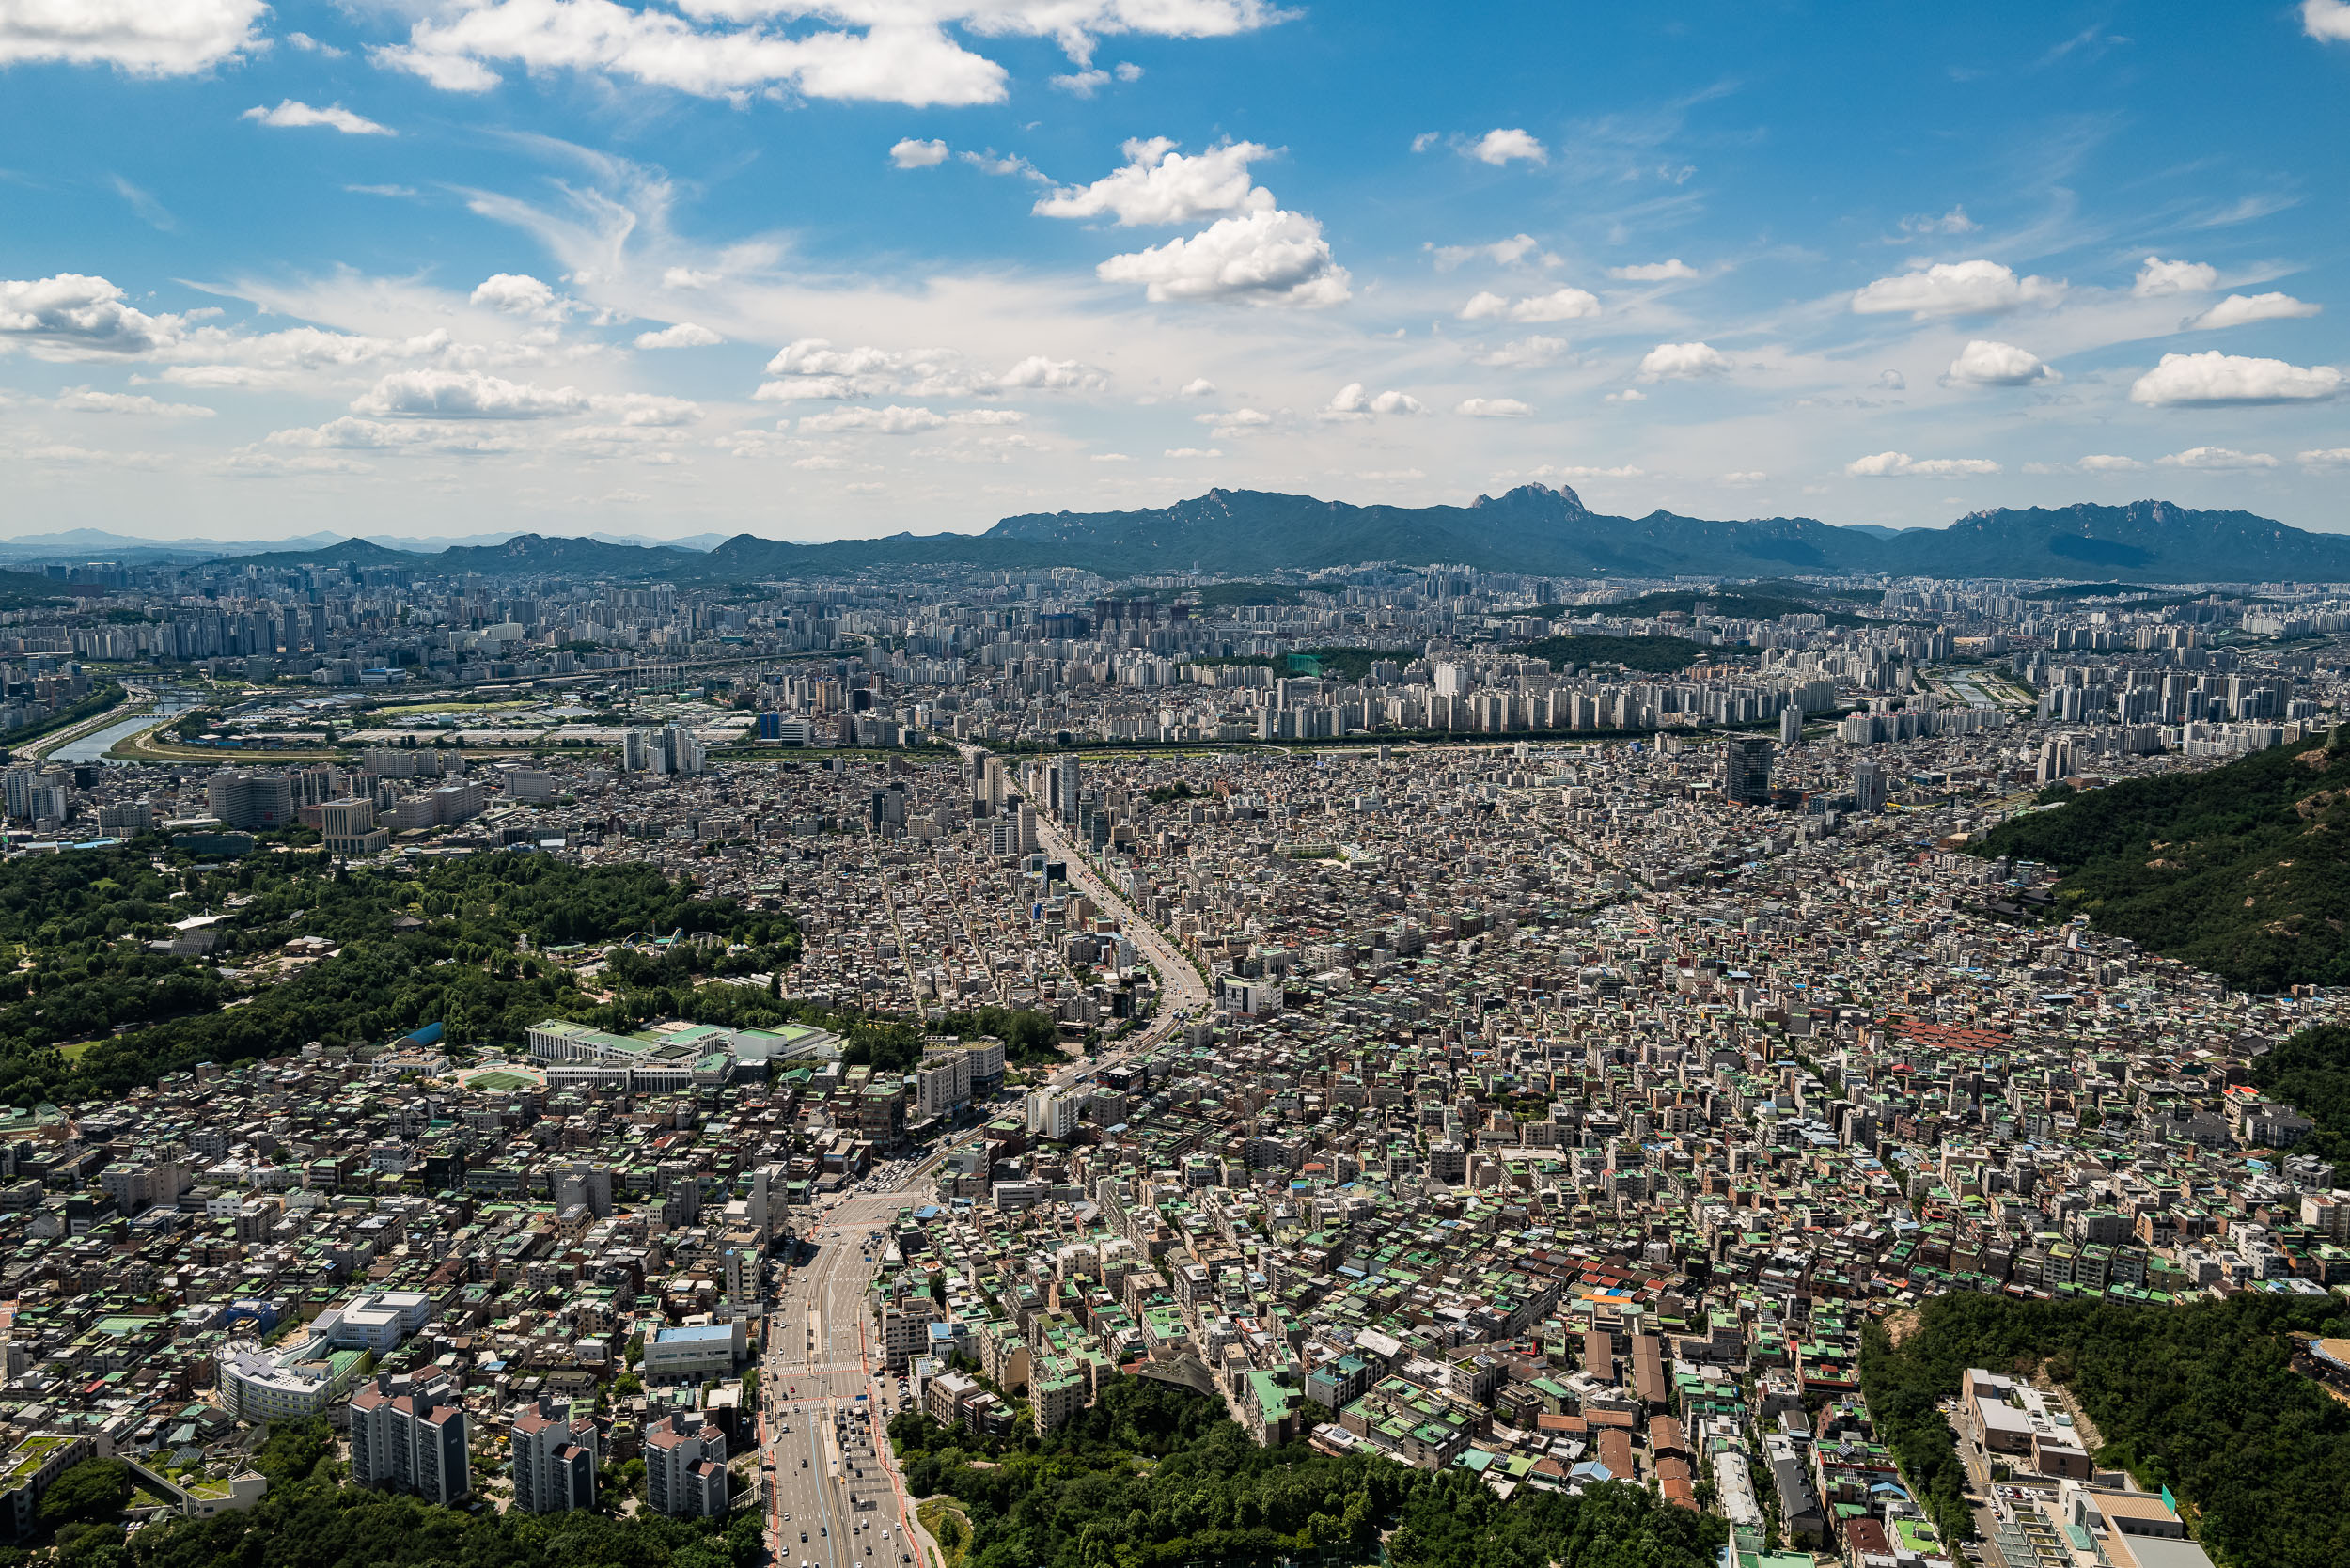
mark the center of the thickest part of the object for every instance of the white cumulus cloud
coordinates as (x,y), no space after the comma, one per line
(2221,458)
(1160,185)
(1038,373)
(466,395)
(1559,304)
(75,315)
(1239,421)
(1491,408)
(80,399)
(1198,387)
(1976,288)
(912,154)
(2157,279)
(1983,362)
(816,356)
(683,335)
(291,114)
(1500,147)
(1653,271)
(1899,465)
(887,51)
(1352,403)
(2213,377)
(2328,457)
(516,294)
(2244,309)
(2327,21)
(812,367)
(2107,463)
(1265,257)
(145,38)
(1682,362)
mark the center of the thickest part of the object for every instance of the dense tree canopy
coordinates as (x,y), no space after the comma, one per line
(2243,869)
(1153,1475)
(2311,1072)
(94,1489)
(2202,1398)
(1658,655)
(310,1519)
(443,944)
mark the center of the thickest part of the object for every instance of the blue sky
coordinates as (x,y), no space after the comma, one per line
(826,268)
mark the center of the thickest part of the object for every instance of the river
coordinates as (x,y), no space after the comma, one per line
(94,746)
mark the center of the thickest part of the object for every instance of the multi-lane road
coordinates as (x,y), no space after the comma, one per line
(829,1493)
(1184,992)
(827,1498)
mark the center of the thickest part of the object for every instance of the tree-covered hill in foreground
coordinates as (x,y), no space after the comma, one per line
(440,945)
(2242,869)
(2311,1072)
(1155,1476)
(312,1518)
(2202,1398)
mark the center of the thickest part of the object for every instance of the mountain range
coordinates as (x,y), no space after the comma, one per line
(1532,528)
(76,545)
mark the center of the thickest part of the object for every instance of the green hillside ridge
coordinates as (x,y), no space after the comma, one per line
(1656,655)
(2311,1072)
(1739,604)
(2243,871)
(1152,1474)
(2202,1398)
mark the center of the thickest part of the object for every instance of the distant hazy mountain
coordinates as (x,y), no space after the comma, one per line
(518,554)
(434,546)
(88,543)
(1531,528)
(82,545)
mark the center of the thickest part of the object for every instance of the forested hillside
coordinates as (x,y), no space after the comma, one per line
(2242,869)
(437,945)
(2311,1072)
(2202,1398)
(1656,655)
(1155,1476)
(311,1518)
